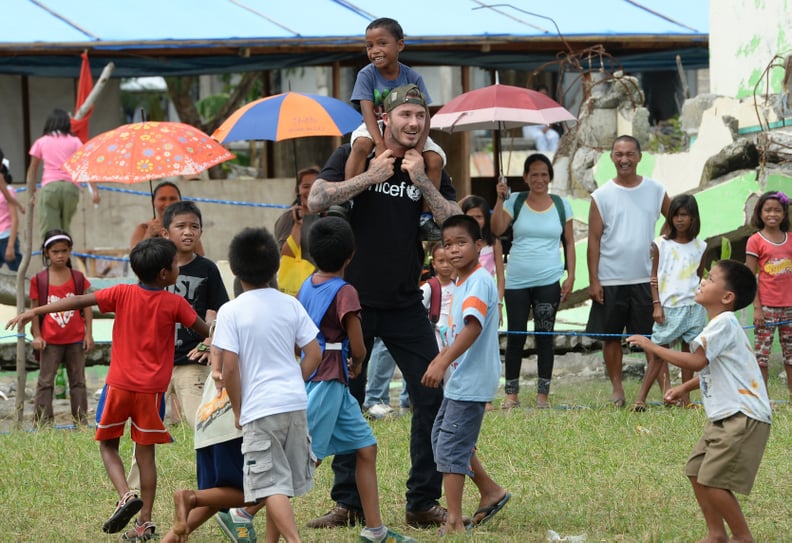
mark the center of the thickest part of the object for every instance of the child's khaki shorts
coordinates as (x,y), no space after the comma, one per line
(729,453)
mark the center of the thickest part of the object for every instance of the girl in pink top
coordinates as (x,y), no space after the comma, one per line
(59,195)
(770,251)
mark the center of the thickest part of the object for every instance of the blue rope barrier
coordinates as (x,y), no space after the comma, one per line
(101,257)
(598,335)
(147,194)
(197,199)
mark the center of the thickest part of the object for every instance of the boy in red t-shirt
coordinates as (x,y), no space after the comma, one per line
(140,370)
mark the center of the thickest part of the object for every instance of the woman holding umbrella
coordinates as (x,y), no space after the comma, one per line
(535,267)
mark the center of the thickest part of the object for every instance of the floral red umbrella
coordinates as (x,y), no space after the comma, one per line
(139,152)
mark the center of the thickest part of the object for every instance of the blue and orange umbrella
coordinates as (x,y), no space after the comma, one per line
(289,115)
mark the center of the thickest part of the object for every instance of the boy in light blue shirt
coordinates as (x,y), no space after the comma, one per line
(473,358)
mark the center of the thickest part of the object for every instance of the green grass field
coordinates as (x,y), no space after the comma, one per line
(610,474)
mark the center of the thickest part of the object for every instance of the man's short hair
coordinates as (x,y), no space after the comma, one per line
(740,280)
(406,94)
(464,221)
(150,257)
(627,137)
(332,243)
(181,207)
(254,256)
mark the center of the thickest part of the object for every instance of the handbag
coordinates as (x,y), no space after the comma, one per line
(294,270)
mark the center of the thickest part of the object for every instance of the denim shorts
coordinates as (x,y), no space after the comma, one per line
(454,435)
(683,322)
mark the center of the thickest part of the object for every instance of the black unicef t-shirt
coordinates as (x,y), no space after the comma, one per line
(388,257)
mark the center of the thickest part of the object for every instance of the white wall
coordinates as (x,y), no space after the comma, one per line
(744,37)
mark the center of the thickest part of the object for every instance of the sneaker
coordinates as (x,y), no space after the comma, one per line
(390,536)
(379,411)
(126,508)
(428,229)
(235,526)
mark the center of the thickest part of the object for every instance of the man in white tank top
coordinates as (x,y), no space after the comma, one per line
(622,219)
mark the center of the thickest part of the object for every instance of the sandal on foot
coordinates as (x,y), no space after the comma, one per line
(509,404)
(140,532)
(618,403)
(638,407)
(126,508)
(489,511)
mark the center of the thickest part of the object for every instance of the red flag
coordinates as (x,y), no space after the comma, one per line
(84,87)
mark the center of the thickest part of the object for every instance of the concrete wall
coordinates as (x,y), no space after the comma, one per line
(744,37)
(110,225)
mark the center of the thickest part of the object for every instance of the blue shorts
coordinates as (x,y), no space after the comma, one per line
(220,465)
(454,435)
(684,322)
(335,421)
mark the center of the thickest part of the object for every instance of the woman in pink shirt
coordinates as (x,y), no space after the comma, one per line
(57,202)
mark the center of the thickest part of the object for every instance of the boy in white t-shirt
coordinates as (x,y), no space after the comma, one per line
(727,457)
(257,333)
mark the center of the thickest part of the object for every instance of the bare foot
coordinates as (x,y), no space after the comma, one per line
(184,501)
(448,529)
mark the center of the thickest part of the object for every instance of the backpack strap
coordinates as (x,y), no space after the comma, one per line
(435,293)
(316,300)
(519,202)
(559,205)
(42,283)
(79,282)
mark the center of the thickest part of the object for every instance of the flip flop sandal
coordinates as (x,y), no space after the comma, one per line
(126,508)
(490,510)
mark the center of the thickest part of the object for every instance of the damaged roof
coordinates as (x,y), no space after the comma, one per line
(185,37)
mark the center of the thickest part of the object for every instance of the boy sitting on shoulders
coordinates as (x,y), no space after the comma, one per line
(727,457)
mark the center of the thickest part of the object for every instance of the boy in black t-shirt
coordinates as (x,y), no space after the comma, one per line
(202,286)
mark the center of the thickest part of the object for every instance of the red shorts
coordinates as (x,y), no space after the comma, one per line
(143,408)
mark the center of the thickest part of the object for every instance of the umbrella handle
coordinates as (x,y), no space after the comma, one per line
(151,193)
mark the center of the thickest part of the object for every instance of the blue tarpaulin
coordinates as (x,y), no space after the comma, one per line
(179,37)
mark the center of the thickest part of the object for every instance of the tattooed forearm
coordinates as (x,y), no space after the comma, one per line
(326,193)
(440,207)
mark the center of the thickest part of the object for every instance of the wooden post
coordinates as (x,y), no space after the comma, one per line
(21,348)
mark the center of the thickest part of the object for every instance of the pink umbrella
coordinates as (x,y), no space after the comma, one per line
(499,107)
